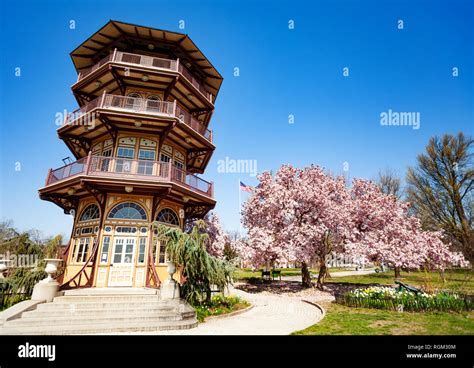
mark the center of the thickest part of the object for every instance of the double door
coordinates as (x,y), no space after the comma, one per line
(122,266)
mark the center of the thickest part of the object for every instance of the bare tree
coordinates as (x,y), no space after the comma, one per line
(441,189)
(7,231)
(390,183)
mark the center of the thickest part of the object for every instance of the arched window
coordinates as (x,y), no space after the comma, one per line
(133,101)
(153,98)
(127,210)
(91,212)
(168,216)
(134,95)
(153,104)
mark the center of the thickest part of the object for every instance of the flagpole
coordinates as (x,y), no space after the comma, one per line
(240,210)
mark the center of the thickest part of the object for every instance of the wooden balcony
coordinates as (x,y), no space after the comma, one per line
(138,170)
(136,105)
(124,58)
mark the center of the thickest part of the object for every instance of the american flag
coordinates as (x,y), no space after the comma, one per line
(245,188)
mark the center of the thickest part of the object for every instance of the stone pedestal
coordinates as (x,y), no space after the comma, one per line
(45,291)
(169,288)
(48,288)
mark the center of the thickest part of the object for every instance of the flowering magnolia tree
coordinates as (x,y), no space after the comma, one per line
(383,231)
(258,248)
(306,214)
(218,237)
(299,214)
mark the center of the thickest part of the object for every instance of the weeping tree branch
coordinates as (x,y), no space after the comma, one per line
(200,270)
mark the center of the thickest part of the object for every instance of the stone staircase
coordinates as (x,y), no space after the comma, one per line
(99,311)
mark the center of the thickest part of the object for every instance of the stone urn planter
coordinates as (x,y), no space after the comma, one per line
(171,270)
(170,288)
(51,268)
(47,288)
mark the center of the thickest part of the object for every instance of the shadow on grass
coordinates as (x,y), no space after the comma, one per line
(256,286)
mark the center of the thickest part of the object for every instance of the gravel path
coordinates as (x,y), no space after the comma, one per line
(270,315)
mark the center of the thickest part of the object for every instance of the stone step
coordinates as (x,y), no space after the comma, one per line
(94,305)
(91,311)
(105,298)
(109,310)
(111,291)
(101,328)
(121,319)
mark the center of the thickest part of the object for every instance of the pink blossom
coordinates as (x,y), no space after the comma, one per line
(305,214)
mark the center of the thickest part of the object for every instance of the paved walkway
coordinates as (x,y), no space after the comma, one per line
(270,315)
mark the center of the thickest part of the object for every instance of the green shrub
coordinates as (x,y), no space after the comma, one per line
(19,285)
(392,299)
(219,304)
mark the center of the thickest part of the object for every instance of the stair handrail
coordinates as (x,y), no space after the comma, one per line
(86,264)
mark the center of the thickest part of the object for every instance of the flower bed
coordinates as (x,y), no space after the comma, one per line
(219,305)
(389,298)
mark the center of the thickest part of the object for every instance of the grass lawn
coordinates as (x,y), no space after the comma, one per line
(342,320)
(455,280)
(246,273)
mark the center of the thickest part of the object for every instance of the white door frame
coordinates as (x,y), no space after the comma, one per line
(122,270)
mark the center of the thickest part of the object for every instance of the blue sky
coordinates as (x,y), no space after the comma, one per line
(282,72)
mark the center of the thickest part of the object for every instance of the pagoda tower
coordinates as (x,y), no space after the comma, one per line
(139,137)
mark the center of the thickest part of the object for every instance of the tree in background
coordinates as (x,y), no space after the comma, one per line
(441,189)
(383,231)
(389,183)
(19,283)
(217,237)
(260,248)
(52,247)
(15,242)
(7,231)
(230,253)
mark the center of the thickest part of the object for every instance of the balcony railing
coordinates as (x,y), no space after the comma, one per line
(139,105)
(124,168)
(149,62)
(67,171)
(136,104)
(194,123)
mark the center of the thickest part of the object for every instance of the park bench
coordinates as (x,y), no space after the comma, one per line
(215,289)
(269,275)
(402,286)
(276,273)
(266,275)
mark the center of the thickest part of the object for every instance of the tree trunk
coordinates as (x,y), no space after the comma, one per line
(443,278)
(208,296)
(397,272)
(323,272)
(305,275)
